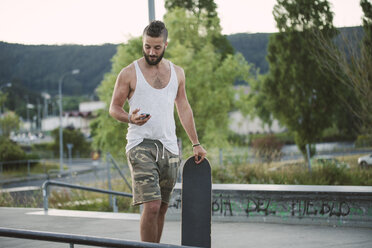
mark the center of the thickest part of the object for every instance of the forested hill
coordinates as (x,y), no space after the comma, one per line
(254,46)
(37,68)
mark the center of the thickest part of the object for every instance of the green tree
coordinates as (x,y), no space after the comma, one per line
(109,134)
(81,147)
(254,103)
(351,64)
(197,7)
(367,25)
(10,151)
(3,97)
(205,11)
(209,81)
(366,59)
(299,95)
(9,122)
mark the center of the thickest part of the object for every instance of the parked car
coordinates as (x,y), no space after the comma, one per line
(325,161)
(365,160)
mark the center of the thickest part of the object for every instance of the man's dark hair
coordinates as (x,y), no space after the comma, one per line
(156,29)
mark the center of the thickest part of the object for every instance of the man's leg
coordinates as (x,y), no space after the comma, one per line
(161,218)
(149,221)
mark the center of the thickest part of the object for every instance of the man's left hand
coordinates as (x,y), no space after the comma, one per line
(199,154)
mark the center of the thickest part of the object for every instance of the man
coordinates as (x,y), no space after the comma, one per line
(152,85)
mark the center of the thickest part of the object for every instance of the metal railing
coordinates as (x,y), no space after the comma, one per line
(48,183)
(78,239)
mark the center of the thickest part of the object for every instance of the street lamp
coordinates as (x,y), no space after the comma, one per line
(73,72)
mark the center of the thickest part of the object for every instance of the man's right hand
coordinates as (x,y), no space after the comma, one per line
(138,119)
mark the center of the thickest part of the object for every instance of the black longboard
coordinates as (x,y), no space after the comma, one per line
(196,203)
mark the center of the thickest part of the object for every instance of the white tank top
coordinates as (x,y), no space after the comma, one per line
(159,103)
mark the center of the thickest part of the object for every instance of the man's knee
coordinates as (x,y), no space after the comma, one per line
(152,207)
(163,208)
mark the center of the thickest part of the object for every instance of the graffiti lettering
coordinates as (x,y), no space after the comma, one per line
(232,205)
(259,206)
(222,205)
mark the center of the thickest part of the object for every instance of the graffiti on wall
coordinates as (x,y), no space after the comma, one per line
(226,205)
(249,206)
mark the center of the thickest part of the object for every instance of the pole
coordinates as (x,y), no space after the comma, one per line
(151,10)
(308,156)
(69,147)
(73,72)
(38,124)
(28,114)
(108,167)
(60,124)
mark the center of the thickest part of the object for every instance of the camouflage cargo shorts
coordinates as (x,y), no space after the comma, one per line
(154,172)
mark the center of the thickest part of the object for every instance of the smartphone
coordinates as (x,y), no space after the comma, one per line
(144,115)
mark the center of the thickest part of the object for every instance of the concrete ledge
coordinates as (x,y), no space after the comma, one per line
(87,214)
(289,204)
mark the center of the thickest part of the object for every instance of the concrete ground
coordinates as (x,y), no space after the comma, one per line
(224,234)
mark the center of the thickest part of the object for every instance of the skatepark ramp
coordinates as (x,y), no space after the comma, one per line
(78,239)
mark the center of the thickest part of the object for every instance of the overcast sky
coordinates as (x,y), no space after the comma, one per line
(114,21)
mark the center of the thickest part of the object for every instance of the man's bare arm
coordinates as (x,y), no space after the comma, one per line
(187,118)
(122,91)
(120,95)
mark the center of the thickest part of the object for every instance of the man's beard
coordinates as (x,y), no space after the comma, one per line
(147,58)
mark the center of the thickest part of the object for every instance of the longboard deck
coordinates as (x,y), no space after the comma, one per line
(196,203)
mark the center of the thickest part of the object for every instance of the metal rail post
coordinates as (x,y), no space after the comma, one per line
(45,195)
(108,167)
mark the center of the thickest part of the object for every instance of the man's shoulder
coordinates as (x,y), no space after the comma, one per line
(179,70)
(127,74)
(128,70)
(175,66)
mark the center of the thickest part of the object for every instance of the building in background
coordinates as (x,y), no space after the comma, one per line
(79,119)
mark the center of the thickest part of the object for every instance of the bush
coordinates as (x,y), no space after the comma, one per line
(238,139)
(268,148)
(10,151)
(9,122)
(81,147)
(364,141)
(294,173)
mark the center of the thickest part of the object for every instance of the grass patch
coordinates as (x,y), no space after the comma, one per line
(74,199)
(21,170)
(294,172)
(31,199)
